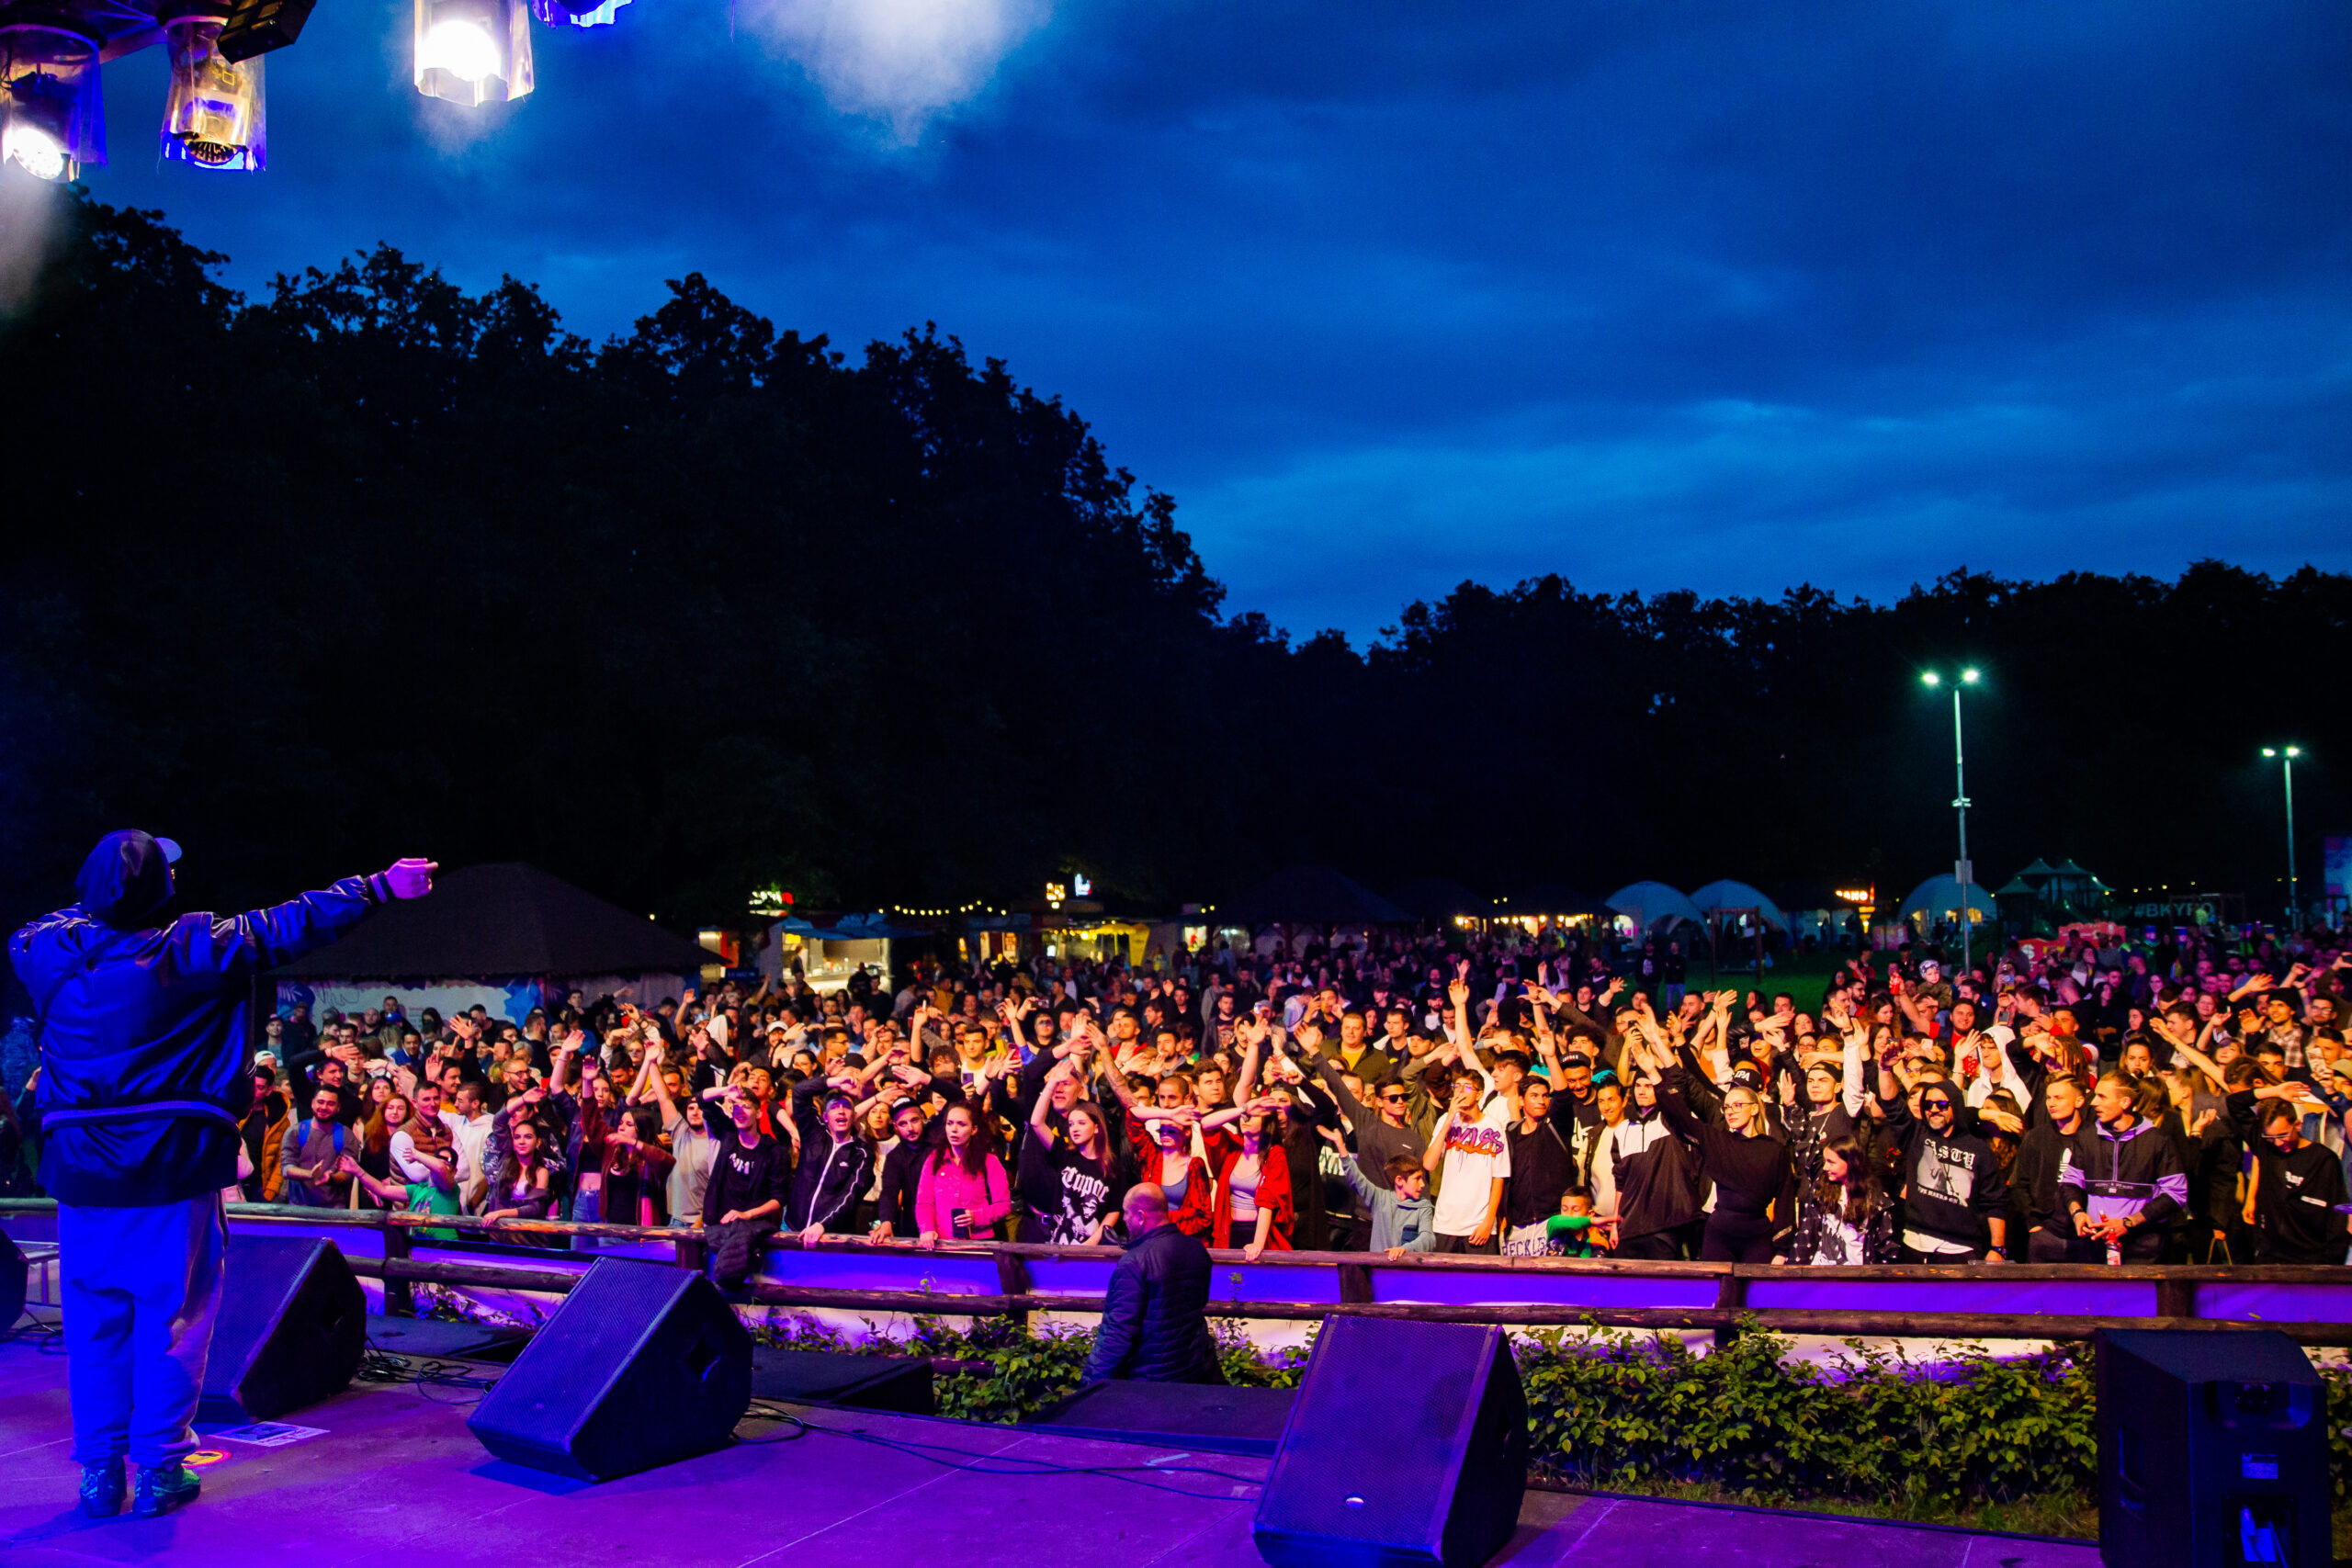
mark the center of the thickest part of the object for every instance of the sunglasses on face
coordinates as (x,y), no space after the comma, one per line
(1936,1104)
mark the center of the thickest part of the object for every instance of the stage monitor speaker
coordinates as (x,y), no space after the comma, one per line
(1174,1414)
(2212,1450)
(292,1328)
(644,1364)
(900,1385)
(16,1276)
(1407,1445)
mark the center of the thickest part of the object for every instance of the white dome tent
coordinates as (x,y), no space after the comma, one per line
(1653,905)
(1938,899)
(1729,894)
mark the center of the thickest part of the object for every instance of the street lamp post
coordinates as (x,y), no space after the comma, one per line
(1963,873)
(2286,755)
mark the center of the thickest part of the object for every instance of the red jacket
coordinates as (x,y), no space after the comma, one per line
(1273,1192)
(1191,1214)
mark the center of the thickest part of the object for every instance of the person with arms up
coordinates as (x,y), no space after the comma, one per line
(1955,1197)
(1751,1168)
(1401,1211)
(143,1034)
(1543,1169)
(744,1194)
(834,1159)
(1469,1152)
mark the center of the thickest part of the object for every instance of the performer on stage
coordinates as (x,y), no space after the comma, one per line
(143,1080)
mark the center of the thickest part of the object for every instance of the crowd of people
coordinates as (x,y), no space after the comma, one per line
(2176,1100)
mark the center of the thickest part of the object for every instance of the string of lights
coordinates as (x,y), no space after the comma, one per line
(53,118)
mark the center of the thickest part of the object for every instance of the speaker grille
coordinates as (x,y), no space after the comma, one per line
(643,1364)
(1376,1439)
(290,1332)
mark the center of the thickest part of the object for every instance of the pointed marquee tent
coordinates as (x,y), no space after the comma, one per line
(504,935)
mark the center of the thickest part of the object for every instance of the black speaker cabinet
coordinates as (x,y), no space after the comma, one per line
(644,1364)
(292,1328)
(898,1384)
(1406,1446)
(2212,1450)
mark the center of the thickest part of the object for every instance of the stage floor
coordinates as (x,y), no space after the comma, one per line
(393,1475)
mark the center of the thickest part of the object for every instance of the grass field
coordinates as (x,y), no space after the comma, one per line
(1803,976)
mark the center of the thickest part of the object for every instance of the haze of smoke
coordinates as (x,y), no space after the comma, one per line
(28,227)
(898,61)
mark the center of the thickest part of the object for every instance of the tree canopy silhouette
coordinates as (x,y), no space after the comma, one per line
(373,566)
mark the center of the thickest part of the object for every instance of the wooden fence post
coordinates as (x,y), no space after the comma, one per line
(1731,1295)
(1013,1279)
(400,1294)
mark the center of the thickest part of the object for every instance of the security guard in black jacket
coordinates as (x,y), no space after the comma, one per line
(1155,1315)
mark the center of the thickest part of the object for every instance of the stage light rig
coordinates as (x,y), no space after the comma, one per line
(52,118)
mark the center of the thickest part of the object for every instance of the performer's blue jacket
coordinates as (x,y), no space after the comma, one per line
(144,1074)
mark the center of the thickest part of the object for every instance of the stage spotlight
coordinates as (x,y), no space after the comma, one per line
(257,26)
(577,13)
(212,113)
(52,122)
(473,51)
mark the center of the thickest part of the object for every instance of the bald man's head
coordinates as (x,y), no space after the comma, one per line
(1146,1209)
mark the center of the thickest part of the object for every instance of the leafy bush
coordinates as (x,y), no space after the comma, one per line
(1029,1369)
(1617,1410)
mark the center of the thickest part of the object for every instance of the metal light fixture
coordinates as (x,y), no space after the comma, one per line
(213,112)
(1963,870)
(2294,887)
(51,122)
(577,13)
(473,51)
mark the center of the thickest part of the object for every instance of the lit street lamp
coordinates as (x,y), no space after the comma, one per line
(1963,873)
(2286,755)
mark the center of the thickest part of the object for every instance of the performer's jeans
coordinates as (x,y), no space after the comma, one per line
(142,1286)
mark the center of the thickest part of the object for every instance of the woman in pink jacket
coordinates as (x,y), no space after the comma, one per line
(962,1193)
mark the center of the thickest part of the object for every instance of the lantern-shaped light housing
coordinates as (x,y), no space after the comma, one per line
(52,122)
(212,116)
(473,51)
(577,13)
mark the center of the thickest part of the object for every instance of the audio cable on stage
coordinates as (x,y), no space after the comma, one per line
(47,1337)
(989,1464)
(425,1374)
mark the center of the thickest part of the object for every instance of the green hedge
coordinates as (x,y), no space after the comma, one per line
(1621,1411)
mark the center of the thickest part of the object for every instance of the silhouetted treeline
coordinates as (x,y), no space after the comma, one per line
(372,566)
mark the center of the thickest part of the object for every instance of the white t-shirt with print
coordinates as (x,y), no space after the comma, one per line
(1476,1151)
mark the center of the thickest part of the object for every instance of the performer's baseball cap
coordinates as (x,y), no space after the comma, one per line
(128,877)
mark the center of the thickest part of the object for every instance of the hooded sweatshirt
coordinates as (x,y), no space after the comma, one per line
(1656,1179)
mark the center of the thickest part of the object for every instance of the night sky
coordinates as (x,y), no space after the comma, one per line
(1657,294)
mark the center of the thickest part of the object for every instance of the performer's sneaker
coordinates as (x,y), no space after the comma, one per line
(163,1488)
(102,1488)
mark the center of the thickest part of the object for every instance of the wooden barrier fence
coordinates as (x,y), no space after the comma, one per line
(2030,1302)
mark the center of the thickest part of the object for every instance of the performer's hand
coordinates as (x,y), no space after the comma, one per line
(411,878)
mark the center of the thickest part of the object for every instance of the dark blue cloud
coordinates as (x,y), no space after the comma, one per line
(1715,295)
